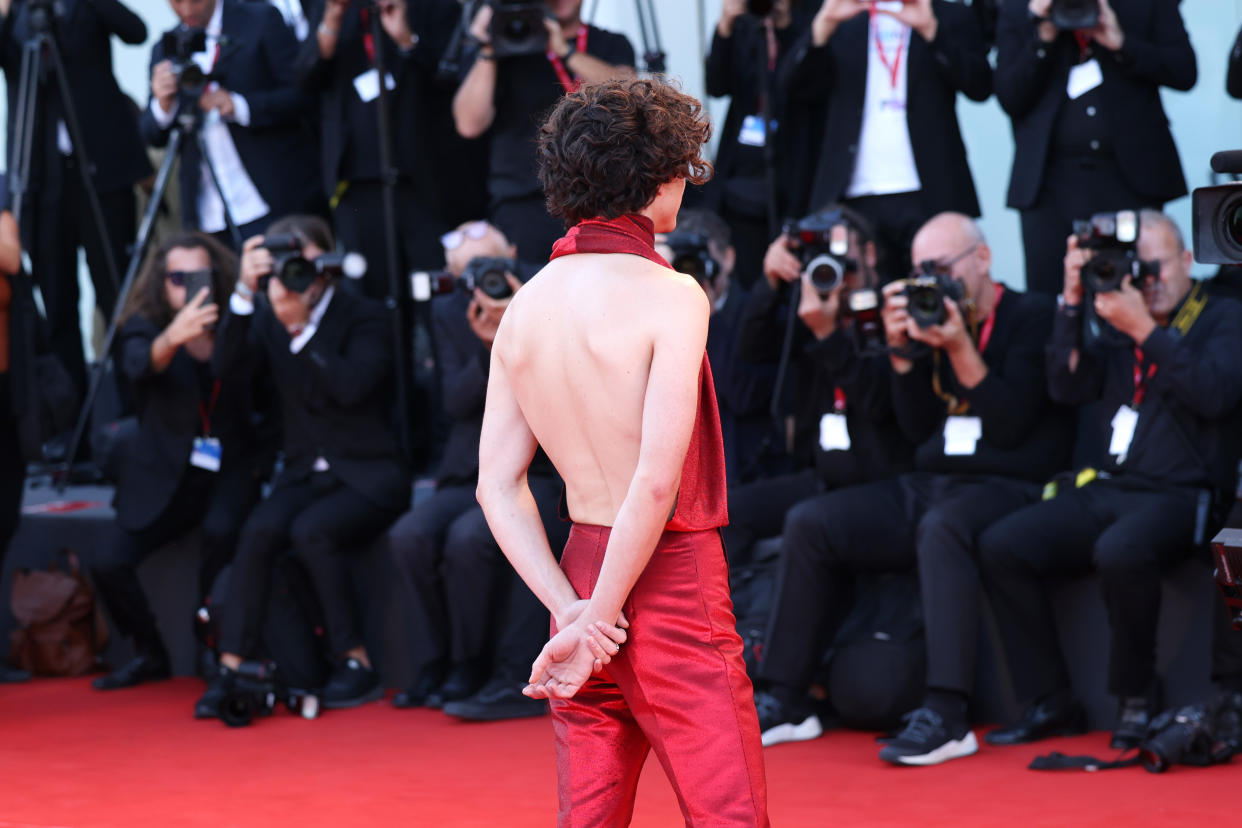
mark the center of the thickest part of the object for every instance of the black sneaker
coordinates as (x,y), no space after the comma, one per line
(778,723)
(350,685)
(500,698)
(927,740)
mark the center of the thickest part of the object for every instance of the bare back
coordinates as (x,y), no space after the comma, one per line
(577,345)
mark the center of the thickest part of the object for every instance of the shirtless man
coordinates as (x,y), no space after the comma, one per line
(600,360)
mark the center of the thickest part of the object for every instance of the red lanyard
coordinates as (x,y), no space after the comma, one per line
(569,82)
(893,68)
(1084,40)
(838,400)
(985,333)
(205,411)
(1140,382)
(773,47)
(368,37)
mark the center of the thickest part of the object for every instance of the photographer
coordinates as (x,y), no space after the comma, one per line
(17,384)
(56,218)
(500,94)
(249,111)
(338,67)
(837,401)
(1171,418)
(1090,133)
(968,389)
(329,351)
(194,461)
(892,149)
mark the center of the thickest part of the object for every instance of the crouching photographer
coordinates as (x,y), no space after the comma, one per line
(1170,415)
(195,460)
(329,353)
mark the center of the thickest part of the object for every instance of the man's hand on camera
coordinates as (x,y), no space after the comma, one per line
(164,85)
(557,44)
(1108,33)
(918,15)
(831,15)
(480,27)
(780,264)
(392,18)
(218,99)
(484,313)
(1075,257)
(950,335)
(819,313)
(1039,9)
(256,262)
(730,11)
(192,321)
(1126,310)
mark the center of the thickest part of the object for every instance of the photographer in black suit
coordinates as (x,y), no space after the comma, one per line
(254,119)
(56,220)
(193,461)
(1090,133)
(892,149)
(329,352)
(1171,412)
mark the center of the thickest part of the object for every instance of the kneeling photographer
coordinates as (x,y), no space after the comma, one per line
(329,352)
(195,460)
(1170,415)
(968,389)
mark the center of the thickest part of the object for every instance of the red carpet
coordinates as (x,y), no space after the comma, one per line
(70,756)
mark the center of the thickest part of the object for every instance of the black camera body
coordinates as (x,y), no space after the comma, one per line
(1075,14)
(1112,239)
(179,46)
(297,273)
(487,273)
(926,291)
(256,689)
(863,307)
(822,241)
(1183,735)
(692,256)
(517,28)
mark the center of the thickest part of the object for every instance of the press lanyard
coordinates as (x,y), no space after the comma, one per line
(1140,382)
(838,400)
(368,37)
(568,82)
(773,47)
(895,66)
(985,333)
(205,411)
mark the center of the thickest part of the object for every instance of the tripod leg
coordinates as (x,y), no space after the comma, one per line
(27,101)
(233,229)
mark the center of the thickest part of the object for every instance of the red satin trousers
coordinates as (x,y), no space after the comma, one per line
(678,687)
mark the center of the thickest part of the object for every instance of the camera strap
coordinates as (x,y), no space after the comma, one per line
(957,406)
(1187,315)
(1061,761)
(569,82)
(893,66)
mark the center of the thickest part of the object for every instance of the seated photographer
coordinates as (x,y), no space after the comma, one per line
(1081,83)
(968,388)
(231,64)
(1170,416)
(195,459)
(458,588)
(836,389)
(329,352)
(507,82)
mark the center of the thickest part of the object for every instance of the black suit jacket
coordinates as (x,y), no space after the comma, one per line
(464,365)
(956,61)
(257,53)
(109,125)
(1030,84)
(168,408)
(335,395)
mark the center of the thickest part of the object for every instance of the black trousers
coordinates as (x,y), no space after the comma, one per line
(1129,535)
(325,523)
(12,469)
(218,503)
(359,221)
(1073,188)
(463,603)
(60,223)
(894,219)
(527,224)
(254,228)
(757,510)
(927,520)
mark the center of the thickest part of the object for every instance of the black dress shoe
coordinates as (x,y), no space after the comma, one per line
(1133,718)
(12,675)
(350,685)
(417,695)
(218,687)
(500,698)
(1042,721)
(145,667)
(463,681)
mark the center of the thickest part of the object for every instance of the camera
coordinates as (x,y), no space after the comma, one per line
(517,28)
(1112,238)
(1216,214)
(297,273)
(692,257)
(1182,735)
(1075,14)
(822,241)
(759,8)
(863,307)
(926,291)
(256,688)
(487,273)
(179,46)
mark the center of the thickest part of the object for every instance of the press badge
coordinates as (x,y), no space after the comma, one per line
(753,134)
(1124,422)
(206,454)
(367,84)
(961,434)
(1083,78)
(833,433)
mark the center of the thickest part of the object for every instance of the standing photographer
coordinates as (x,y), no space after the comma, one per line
(1171,415)
(329,351)
(1090,133)
(193,461)
(249,111)
(57,219)
(507,93)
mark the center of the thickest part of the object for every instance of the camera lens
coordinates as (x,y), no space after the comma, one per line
(691,265)
(1233,222)
(494,284)
(237,709)
(824,273)
(516,28)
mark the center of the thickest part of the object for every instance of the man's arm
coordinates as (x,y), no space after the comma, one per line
(119,20)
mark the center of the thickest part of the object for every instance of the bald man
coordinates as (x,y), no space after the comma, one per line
(969,391)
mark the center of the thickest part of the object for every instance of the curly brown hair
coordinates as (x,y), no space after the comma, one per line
(147,297)
(606,149)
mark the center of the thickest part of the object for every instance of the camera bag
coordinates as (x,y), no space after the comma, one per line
(61,630)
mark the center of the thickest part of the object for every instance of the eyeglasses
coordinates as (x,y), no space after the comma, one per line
(475,230)
(178,278)
(947,264)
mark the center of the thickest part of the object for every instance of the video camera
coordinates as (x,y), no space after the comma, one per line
(179,46)
(692,257)
(517,28)
(297,273)
(822,241)
(926,291)
(1075,14)
(1217,214)
(256,689)
(487,273)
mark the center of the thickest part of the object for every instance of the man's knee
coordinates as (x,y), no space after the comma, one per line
(810,526)
(470,542)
